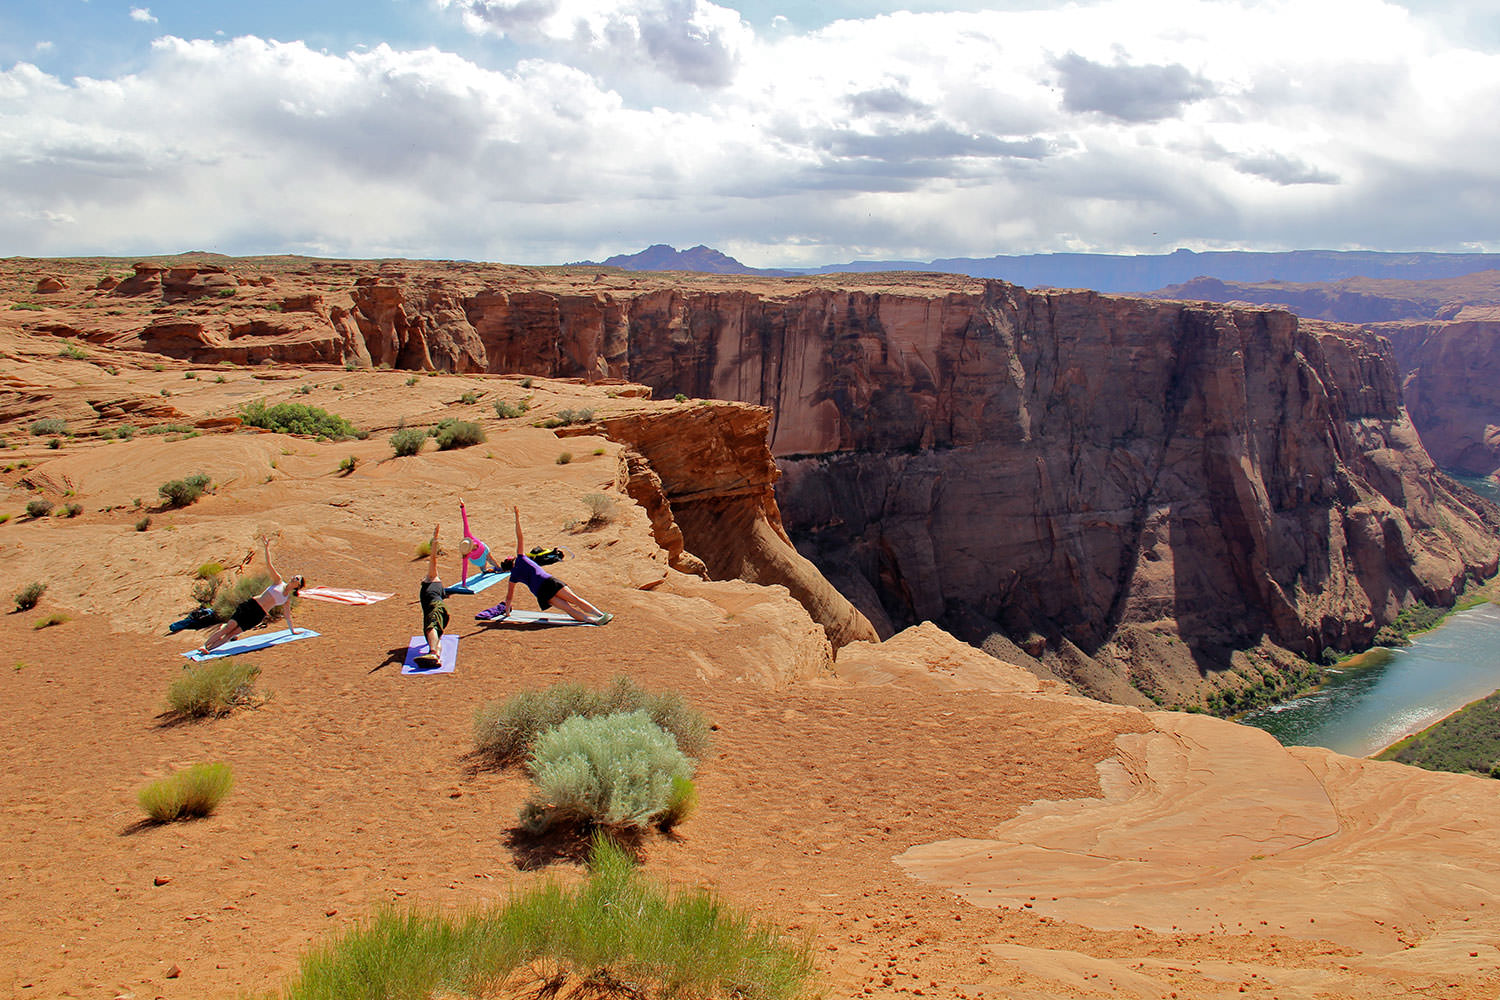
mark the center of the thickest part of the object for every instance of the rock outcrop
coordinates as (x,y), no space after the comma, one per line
(1452,388)
(705,476)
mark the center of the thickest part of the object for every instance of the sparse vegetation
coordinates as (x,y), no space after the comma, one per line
(408,441)
(680,397)
(55,443)
(616,935)
(48,425)
(348,463)
(213,688)
(208,570)
(504,731)
(615,771)
(26,306)
(143,524)
(73,351)
(459,434)
(246,587)
(349,364)
(51,620)
(412,380)
(601,509)
(72,510)
(506,410)
(425,549)
(469,398)
(297,418)
(1419,617)
(193,791)
(190,376)
(125,431)
(526,382)
(182,492)
(27,597)
(565,417)
(565,458)
(38,507)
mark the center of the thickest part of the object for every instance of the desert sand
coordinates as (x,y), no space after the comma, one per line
(944,824)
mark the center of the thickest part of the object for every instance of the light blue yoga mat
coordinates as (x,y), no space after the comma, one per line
(536,618)
(477,582)
(447,655)
(250,643)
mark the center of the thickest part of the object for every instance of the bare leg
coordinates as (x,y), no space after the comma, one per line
(577,607)
(219,636)
(434,642)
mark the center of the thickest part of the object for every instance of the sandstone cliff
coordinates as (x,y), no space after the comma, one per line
(1133,492)
(1452,388)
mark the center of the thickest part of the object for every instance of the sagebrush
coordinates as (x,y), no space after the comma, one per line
(182,492)
(408,441)
(505,730)
(297,418)
(27,597)
(618,771)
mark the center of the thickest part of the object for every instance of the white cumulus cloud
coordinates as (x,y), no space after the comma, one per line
(910,135)
(142,14)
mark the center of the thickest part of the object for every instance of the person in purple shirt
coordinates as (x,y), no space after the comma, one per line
(550,592)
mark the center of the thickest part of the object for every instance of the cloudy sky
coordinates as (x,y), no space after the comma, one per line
(546,131)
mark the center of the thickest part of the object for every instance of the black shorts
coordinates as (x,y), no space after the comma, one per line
(546,590)
(249,614)
(434,611)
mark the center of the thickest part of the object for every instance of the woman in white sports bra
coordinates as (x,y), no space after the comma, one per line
(254,610)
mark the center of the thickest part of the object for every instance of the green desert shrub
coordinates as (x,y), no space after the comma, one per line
(408,441)
(507,410)
(459,434)
(27,597)
(618,934)
(348,463)
(504,731)
(208,570)
(297,418)
(680,398)
(212,688)
(618,771)
(144,524)
(48,425)
(73,351)
(51,620)
(565,458)
(55,443)
(72,510)
(469,398)
(193,791)
(125,432)
(38,507)
(181,492)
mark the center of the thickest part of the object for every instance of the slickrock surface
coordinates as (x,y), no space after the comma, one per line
(903,803)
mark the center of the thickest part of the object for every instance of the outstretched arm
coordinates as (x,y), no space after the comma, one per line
(520,545)
(432,570)
(463,512)
(266,547)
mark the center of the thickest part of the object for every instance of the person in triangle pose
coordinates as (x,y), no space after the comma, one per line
(550,592)
(472,550)
(434,611)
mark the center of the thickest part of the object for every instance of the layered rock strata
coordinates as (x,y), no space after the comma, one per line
(1128,493)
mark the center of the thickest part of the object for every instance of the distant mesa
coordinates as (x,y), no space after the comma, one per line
(699,259)
(1102,272)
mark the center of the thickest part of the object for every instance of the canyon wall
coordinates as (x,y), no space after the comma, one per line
(1127,493)
(1452,387)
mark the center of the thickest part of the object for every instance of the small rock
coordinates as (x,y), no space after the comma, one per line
(330,913)
(174,971)
(162,879)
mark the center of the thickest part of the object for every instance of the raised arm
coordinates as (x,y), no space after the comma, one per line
(432,555)
(463,512)
(520,544)
(266,548)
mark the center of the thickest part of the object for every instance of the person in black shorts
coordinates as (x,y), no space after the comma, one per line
(549,591)
(434,612)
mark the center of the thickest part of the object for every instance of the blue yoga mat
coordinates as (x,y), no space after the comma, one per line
(250,643)
(447,655)
(536,618)
(478,582)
